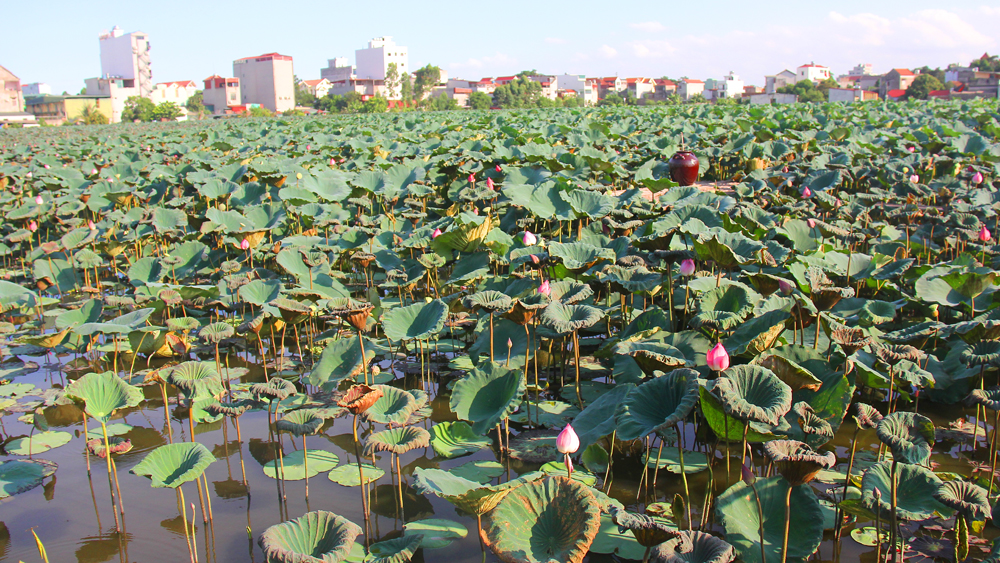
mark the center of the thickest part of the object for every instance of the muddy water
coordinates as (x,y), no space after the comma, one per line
(72,512)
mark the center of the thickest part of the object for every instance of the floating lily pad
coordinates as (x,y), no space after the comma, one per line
(294,465)
(38,442)
(437,532)
(348,476)
(453,439)
(21,475)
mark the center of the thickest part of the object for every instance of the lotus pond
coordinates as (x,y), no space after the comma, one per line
(504,336)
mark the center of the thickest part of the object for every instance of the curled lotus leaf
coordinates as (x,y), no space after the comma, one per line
(21,475)
(915,491)
(489,301)
(701,547)
(919,331)
(275,390)
(737,511)
(523,310)
(811,423)
(359,398)
(394,406)
(216,332)
(453,439)
(487,395)
(183,324)
(657,405)
(569,291)
(727,250)
(968,499)
(753,394)
(417,321)
(796,461)
(551,519)
(579,256)
(467,495)
(892,354)
(648,531)
(300,423)
(314,537)
(715,320)
(196,380)
(118,445)
(173,465)
(341,359)
(989,398)
(877,313)
(354,312)
(909,435)
(850,339)
(569,318)
(235,408)
(292,311)
(983,353)
(397,440)
(793,374)
(398,550)
(866,416)
(103,394)
(627,280)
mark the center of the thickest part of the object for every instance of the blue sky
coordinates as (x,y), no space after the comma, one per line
(699,39)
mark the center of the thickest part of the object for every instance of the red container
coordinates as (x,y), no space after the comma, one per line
(683,168)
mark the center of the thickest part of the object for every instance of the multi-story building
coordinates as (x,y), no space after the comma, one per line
(664,88)
(895,79)
(36,89)
(773,82)
(731,86)
(585,88)
(220,94)
(338,70)
(640,88)
(118,90)
(11,99)
(125,56)
(268,80)
(850,95)
(176,92)
(812,71)
(373,62)
(689,88)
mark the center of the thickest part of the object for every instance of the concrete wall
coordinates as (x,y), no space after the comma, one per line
(688,90)
(268,81)
(219,94)
(759,99)
(335,73)
(36,89)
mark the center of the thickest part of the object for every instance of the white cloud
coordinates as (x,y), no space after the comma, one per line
(944,29)
(652,49)
(555,40)
(649,27)
(608,51)
(497,60)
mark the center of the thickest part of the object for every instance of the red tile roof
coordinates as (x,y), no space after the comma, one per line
(811,65)
(266,57)
(692,81)
(505,78)
(896,93)
(463,90)
(903,71)
(664,82)
(939,93)
(487,80)
(313,82)
(179,83)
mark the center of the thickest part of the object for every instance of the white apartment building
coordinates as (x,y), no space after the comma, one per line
(731,86)
(813,72)
(125,56)
(176,92)
(374,61)
(585,88)
(220,94)
(268,80)
(689,88)
(36,89)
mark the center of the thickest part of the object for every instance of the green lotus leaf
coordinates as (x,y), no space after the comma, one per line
(292,467)
(417,321)
(436,532)
(595,458)
(470,496)
(300,423)
(260,292)
(467,237)
(544,200)
(736,509)
(348,476)
(983,353)
(292,311)
(103,394)
(569,291)
(314,537)
(37,443)
(727,427)
(728,250)
(753,394)
(397,440)
(489,301)
(551,414)
(216,332)
(399,550)
(276,389)
(588,204)
(909,435)
(699,547)
(453,439)
(183,324)
(118,445)
(21,475)
(730,298)
(791,373)
(796,461)
(481,471)
(877,313)
(715,320)
(545,520)
(558,469)
(340,360)
(968,499)
(569,318)
(173,465)
(116,429)
(487,395)
(145,271)
(580,256)
(648,531)
(598,419)
(915,491)
(653,356)
(630,280)
(670,459)
(758,333)
(14,296)
(394,406)
(612,540)
(196,380)
(657,405)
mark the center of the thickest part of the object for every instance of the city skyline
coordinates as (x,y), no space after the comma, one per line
(633,39)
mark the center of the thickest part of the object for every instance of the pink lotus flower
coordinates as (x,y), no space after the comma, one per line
(46,166)
(472,178)
(784,170)
(498,168)
(436,233)
(838,203)
(806,192)
(984,234)
(534,259)
(811,222)
(29,174)
(489,183)
(309,147)
(718,358)
(915,179)
(32,226)
(785,287)
(567,442)
(39,200)
(687,267)
(977,178)
(911,149)
(529,239)
(544,289)
(244,244)
(92,226)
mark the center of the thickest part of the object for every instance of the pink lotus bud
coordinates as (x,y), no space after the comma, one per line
(838,203)
(785,287)
(244,244)
(29,174)
(510,343)
(567,442)
(878,494)
(534,259)
(341,161)
(333,161)
(498,168)
(911,149)
(309,147)
(472,178)
(93,171)
(92,226)
(544,289)
(489,183)
(977,178)
(784,170)
(806,192)
(32,226)
(811,222)
(747,475)
(984,234)
(687,267)
(529,239)
(915,179)
(718,358)
(46,166)
(436,233)
(39,200)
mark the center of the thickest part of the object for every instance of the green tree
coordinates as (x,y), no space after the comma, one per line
(351,102)
(406,87)
(196,104)
(138,109)
(935,72)
(303,97)
(805,90)
(518,93)
(375,104)
(986,63)
(425,79)
(572,102)
(392,80)
(480,100)
(91,116)
(824,88)
(329,103)
(922,85)
(697,99)
(259,111)
(439,103)
(166,111)
(294,112)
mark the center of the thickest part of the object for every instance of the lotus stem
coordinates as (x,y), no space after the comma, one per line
(305,461)
(364,361)
(479,524)
(656,470)
(687,493)
(760,521)
(41,547)
(85,448)
(491,336)
(569,466)
(975,429)
(208,498)
(111,488)
(847,480)
(194,533)
(743,460)
(788,519)
(576,364)
(399,483)
(892,533)
(118,488)
(993,447)
(607,472)
(166,413)
(361,473)
(878,535)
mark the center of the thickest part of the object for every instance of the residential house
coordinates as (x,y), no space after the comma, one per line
(549,84)
(984,85)
(609,85)
(689,88)
(663,88)
(752,90)
(939,95)
(176,92)
(894,95)
(56,110)
(854,76)
(220,94)
(583,87)
(812,71)
(895,79)
(640,88)
(773,99)
(486,86)
(11,99)
(318,88)
(338,70)
(851,95)
(36,89)
(870,82)
(731,86)
(118,90)
(268,80)
(774,81)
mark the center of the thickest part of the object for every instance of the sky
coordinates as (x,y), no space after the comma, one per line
(700,39)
